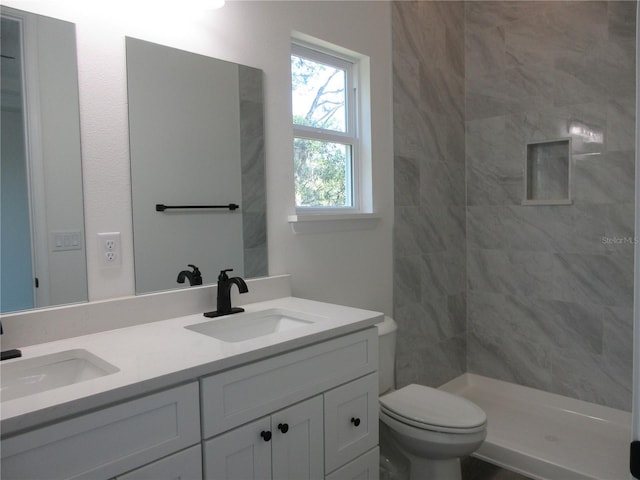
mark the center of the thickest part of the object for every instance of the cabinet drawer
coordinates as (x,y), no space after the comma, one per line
(107,442)
(242,394)
(365,467)
(185,465)
(350,421)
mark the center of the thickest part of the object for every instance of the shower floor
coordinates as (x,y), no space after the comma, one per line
(547,436)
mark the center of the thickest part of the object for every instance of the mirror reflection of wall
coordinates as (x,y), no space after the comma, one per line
(43,259)
(196,139)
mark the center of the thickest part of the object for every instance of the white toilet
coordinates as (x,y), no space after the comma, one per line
(431,428)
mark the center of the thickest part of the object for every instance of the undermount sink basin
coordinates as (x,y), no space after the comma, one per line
(28,376)
(246,326)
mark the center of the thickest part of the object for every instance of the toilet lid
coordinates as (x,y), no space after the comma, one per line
(431,407)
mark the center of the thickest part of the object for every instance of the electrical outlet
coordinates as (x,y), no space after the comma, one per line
(109,248)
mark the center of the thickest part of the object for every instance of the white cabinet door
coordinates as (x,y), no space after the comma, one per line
(350,421)
(185,465)
(243,453)
(297,449)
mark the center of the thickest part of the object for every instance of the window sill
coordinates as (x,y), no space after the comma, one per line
(320,223)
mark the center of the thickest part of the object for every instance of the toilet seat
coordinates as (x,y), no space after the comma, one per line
(431,409)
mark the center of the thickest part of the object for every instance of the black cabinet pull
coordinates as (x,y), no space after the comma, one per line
(355,421)
(266,435)
(283,427)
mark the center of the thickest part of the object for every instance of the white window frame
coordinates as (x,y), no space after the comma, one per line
(350,137)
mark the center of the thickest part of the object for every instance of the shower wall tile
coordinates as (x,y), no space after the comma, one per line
(581,375)
(515,361)
(538,295)
(621,132)
(430,363)
(550,293)
(550,323)
(429,177)
(406,182)
(604,179)
(599,279)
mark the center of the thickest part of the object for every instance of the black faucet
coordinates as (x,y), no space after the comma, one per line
(194,277)
(224,294)
(7,354)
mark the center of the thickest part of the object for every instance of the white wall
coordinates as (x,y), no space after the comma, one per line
(352,268)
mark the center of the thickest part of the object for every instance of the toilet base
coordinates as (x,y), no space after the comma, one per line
(421,468)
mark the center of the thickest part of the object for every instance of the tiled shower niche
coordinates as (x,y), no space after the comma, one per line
(548,173)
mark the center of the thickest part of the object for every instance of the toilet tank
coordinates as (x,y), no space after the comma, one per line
(386,354)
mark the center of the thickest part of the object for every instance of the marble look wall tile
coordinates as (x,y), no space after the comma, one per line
(488,14)
(604,179)
(414,29)
(429,233)
(442,183)
(539,228)
(406,181)
(550,288)
(441,325)
(621,120)
(510,272)
(590,378)
(516,89)
(512,361)
(409,137)
(490,184)
(578,79)
(434,276)
(406,231)
(551,323)
(603,229)
(443,274)
(442,93)
(557,27)
(618,339)
(621,19)
(406,280)
(485,52)
(430,364)
(440,229)
(431,321)
(599,279)
(486,227)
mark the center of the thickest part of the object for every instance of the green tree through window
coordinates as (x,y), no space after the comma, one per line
(323,139)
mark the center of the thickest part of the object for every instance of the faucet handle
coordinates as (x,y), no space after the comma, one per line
(223,274)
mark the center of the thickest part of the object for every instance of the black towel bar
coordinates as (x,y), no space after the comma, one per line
(161,207)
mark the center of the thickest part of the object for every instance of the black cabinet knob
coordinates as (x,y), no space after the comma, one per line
(283,427)
(266,435)
(355,421)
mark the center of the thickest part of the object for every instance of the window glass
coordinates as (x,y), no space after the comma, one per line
(322,173)
(318,94)
(324,140)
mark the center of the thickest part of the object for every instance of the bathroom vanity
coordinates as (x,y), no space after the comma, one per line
(292,392)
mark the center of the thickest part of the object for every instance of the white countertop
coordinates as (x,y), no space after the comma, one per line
(157,355)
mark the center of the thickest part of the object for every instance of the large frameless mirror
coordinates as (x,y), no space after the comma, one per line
(197,166)
(43,260)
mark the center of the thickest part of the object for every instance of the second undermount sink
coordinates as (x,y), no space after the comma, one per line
(246,326)
(28,376)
